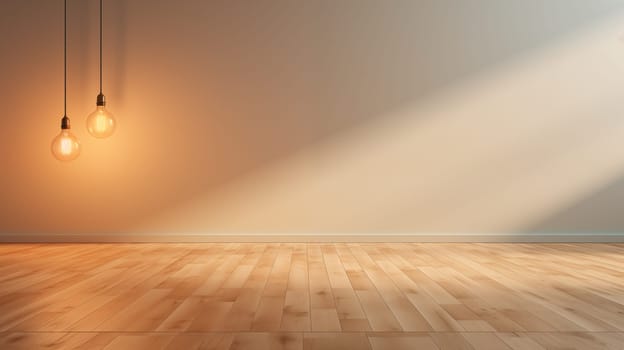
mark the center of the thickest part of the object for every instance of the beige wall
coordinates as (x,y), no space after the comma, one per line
(348,116)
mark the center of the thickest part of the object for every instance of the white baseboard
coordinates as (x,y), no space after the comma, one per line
(198,237)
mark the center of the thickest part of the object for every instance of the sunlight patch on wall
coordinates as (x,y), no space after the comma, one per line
(491,154)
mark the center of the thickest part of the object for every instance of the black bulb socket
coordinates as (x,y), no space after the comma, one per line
(101,100)
(65,124)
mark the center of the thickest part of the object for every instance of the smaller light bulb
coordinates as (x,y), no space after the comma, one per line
(65,146)
(101,122)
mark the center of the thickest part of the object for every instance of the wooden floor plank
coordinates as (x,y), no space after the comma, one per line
(335,341)
(404,341)
(267,341)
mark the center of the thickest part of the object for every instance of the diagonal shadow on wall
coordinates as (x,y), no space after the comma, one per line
(598,212)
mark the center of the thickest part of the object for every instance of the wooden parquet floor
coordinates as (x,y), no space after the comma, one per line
(312,296)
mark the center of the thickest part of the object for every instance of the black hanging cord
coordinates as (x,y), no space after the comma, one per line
(101,100)
(100,47)
(65,120)
(65,58)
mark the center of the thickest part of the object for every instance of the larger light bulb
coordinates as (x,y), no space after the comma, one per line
(101,123)
(65,146)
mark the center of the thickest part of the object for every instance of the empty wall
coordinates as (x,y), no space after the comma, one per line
(317,117)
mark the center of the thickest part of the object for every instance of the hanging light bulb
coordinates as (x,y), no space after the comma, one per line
(101,123)
(65,146)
